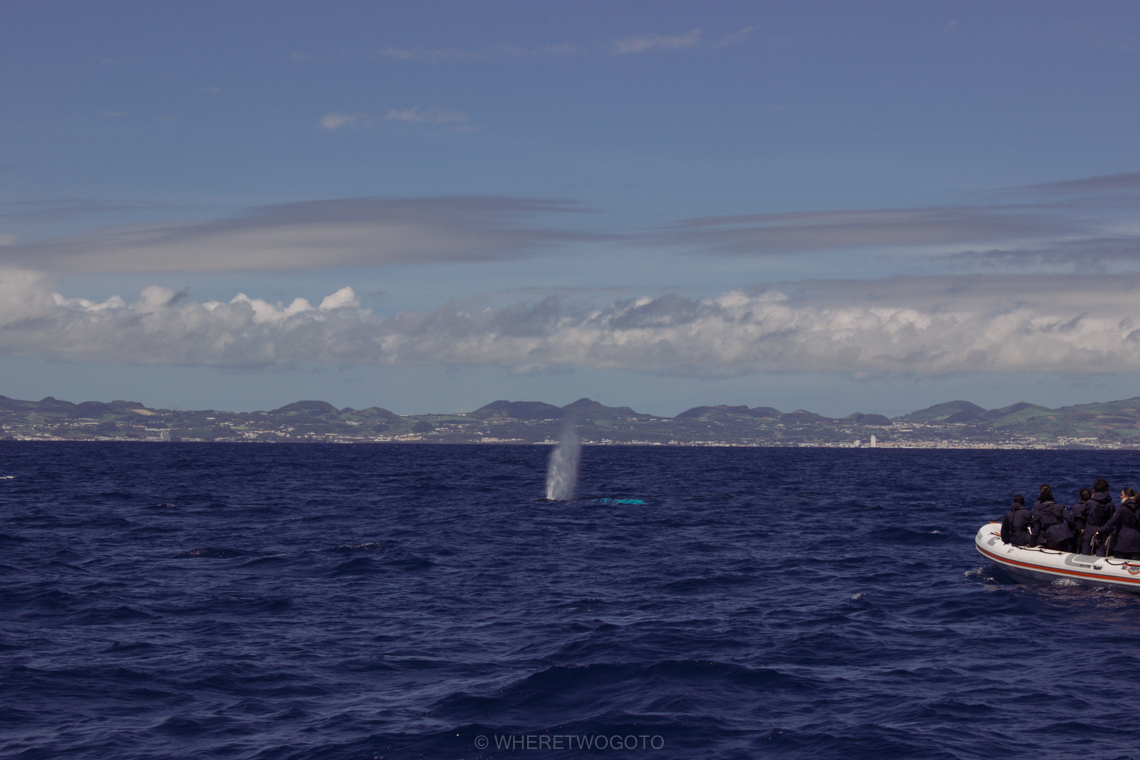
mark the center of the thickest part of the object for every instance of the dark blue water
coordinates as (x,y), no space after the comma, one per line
(364,602)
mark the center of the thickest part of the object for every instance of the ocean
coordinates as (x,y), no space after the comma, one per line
(415,601)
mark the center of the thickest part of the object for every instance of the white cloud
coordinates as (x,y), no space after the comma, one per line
(636,44)
(404,54)
(434,116)
(512,51)
(627,45)
(735,37)
(916,326)
(342,299)
(334,121)
(435,55)
(649,42)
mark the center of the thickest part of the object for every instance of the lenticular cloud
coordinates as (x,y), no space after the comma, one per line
(944,325)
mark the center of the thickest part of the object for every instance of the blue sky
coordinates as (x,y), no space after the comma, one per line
(833,206)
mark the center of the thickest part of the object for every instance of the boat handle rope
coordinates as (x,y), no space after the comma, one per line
(1122,563)
(1043,550)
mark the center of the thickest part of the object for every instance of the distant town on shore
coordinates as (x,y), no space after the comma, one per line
(954,424)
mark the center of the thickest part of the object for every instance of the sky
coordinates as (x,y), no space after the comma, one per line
(830,206)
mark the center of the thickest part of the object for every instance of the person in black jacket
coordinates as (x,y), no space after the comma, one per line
(1099,512)
(1015,524)
(1051,522)
(1079,512)
(1125,523)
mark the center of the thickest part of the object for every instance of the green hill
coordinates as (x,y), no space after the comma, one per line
(592,411)
(519,410)
(949,411)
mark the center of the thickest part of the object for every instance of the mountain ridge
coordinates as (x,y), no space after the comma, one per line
(951,412)
(1096,423)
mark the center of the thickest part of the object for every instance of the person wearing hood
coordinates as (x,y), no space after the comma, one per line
(1079,513)
(1098,511)
(1125,525)
(1016,524)
(1051,522)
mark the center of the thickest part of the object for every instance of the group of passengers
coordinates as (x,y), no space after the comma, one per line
(1093,526)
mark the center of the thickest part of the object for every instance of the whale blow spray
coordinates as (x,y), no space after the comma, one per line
(562,472)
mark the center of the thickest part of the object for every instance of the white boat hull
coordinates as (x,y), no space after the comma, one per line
(1035,563)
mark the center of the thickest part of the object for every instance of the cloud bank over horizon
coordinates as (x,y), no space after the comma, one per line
(1074,225)
(1080,223)
(310,234)
(916,326)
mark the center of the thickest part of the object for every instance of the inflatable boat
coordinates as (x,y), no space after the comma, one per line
(1036,563)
